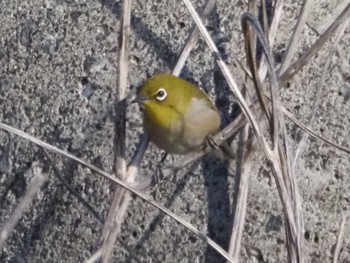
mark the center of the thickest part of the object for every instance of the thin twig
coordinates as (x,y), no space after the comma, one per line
(242,190)
(312,133)
(121,197)
(296,35)
(278,154)
(33,188)
(95,257)
(278,9)
(241,200)
(340,240)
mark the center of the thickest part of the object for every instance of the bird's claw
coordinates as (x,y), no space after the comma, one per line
(210,144)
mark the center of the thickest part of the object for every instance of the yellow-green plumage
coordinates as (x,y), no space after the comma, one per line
(180,120)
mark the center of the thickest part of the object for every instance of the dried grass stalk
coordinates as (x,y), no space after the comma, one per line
(278,154)
(33,188)
(340,240)
(121,197)
(296,35)
(241,197)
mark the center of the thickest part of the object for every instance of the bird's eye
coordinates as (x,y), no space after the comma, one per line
(161,95)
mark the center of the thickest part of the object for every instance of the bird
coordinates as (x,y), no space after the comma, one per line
(177,116)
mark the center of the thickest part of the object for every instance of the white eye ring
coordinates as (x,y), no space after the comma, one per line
(161,94)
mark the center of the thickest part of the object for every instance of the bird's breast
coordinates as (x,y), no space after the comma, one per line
(180,133)
(164,127)
(201,120)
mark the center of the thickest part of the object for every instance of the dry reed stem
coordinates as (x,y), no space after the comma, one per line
(121,197)
(33,188)
(278,154)
(239,204)
(95,257)
(242,191)
(242,196)
(293,182)
(295,36)
(340,240)
(312,133)
(295,197)
(278,8)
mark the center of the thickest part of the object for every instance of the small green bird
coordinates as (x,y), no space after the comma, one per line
(178,116)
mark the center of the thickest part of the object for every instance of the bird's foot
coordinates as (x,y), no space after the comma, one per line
(210,144)
(224,148)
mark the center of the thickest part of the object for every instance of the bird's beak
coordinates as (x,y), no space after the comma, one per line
(138,99)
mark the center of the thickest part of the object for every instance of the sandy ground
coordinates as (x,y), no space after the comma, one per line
(57,82)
